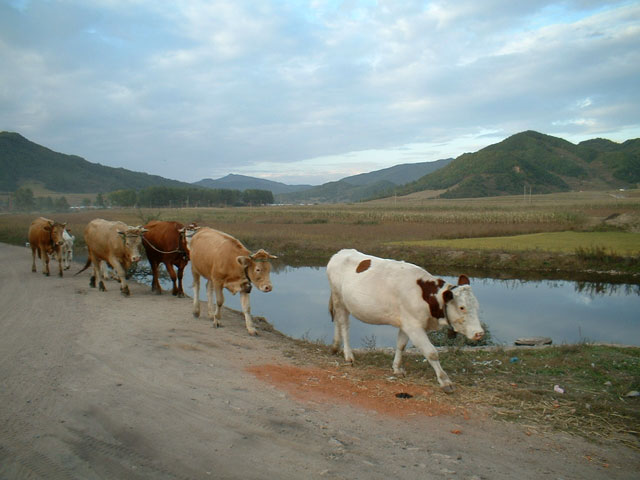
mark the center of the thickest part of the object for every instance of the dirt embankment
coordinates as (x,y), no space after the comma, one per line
(95,385)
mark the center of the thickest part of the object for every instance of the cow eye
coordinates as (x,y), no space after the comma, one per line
(462,308)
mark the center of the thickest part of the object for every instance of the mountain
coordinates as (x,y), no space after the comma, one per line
(398,174)
(365,185)
(243,182)
(541,162)
(22,161)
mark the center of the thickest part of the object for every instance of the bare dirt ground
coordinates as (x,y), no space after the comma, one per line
(96,385)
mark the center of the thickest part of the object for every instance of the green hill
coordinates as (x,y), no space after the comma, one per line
(365,185)
(22,161)
(535,161)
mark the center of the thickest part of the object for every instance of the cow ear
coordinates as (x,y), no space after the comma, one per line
(447,296)
(272,256)
(244,260)
(463,280)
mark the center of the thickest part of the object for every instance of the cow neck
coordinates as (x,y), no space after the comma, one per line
(444,309)
(177,250)
(246,274)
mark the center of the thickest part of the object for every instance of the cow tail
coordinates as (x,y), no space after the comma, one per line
(331,311)
(85,267)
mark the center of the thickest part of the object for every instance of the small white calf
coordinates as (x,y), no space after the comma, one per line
(388,292)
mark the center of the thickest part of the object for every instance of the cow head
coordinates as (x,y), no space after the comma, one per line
(132,239)
(258,268)
(186,234)
(461,307)
(56,231)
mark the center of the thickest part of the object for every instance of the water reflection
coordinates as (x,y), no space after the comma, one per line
(568,312)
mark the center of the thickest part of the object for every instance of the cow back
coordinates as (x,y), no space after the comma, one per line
(163,236)
(214,255)
(102,238)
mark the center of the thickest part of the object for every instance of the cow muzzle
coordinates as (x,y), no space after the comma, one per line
(266,288)
(135,258)
(478,336)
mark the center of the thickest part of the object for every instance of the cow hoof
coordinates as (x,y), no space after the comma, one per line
(33,270)
(448,389)
(180,295)
(253,332)
(400,372)
(125,291)
(101,286)
(334,349)
(157,292)
(196,314)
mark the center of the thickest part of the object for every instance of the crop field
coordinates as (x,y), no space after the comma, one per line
(403,228)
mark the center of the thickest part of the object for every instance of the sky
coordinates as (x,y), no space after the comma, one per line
(311,91)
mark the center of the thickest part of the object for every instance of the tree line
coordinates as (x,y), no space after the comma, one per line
(24,200)
(177,197)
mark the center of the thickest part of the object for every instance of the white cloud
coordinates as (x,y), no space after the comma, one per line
(320,89)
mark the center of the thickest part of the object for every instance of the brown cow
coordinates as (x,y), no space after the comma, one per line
(45,237)
(226,263)
(115,243)
(166,242)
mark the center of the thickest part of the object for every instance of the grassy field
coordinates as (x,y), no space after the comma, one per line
(590,227)
(613,243)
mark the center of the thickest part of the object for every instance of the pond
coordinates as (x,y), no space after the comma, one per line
(565,311)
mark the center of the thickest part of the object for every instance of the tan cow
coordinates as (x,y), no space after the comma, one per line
(226,263)
(115,243)
(45,237)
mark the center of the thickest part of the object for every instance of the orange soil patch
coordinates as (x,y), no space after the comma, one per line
(330,385)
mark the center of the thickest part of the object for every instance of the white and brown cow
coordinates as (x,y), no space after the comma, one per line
(226,263)
(115,243)
(45,238)
(389,292)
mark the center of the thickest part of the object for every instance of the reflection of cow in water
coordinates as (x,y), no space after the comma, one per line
(45,238)
(115,243)
(166,242)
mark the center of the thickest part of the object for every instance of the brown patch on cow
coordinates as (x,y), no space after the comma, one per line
(330,385)
(429,290)
(363,265)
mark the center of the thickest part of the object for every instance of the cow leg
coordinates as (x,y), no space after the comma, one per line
(341,330)
(155,284)
(124,288)
(60,263)
(419,338)
(246,309)
(180,292)
(33,259)
(217,313)
(219,302)
(173,276)
(401,344)
(196,293)
(45,261)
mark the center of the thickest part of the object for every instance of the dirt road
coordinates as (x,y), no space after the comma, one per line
(96,385)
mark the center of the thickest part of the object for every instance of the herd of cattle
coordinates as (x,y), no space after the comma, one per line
(374,290)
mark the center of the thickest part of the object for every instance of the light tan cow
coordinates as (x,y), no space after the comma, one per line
(45,238)
(115,243)
(226,263)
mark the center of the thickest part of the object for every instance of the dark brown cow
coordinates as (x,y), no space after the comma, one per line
(45,237)
(166,242)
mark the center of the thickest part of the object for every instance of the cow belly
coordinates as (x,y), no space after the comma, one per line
(368,308)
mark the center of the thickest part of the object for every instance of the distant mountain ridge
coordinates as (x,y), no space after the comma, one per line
(243,182)
(365,185)
(535,161)
(22,160)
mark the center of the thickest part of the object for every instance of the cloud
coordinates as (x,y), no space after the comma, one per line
(199,89)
